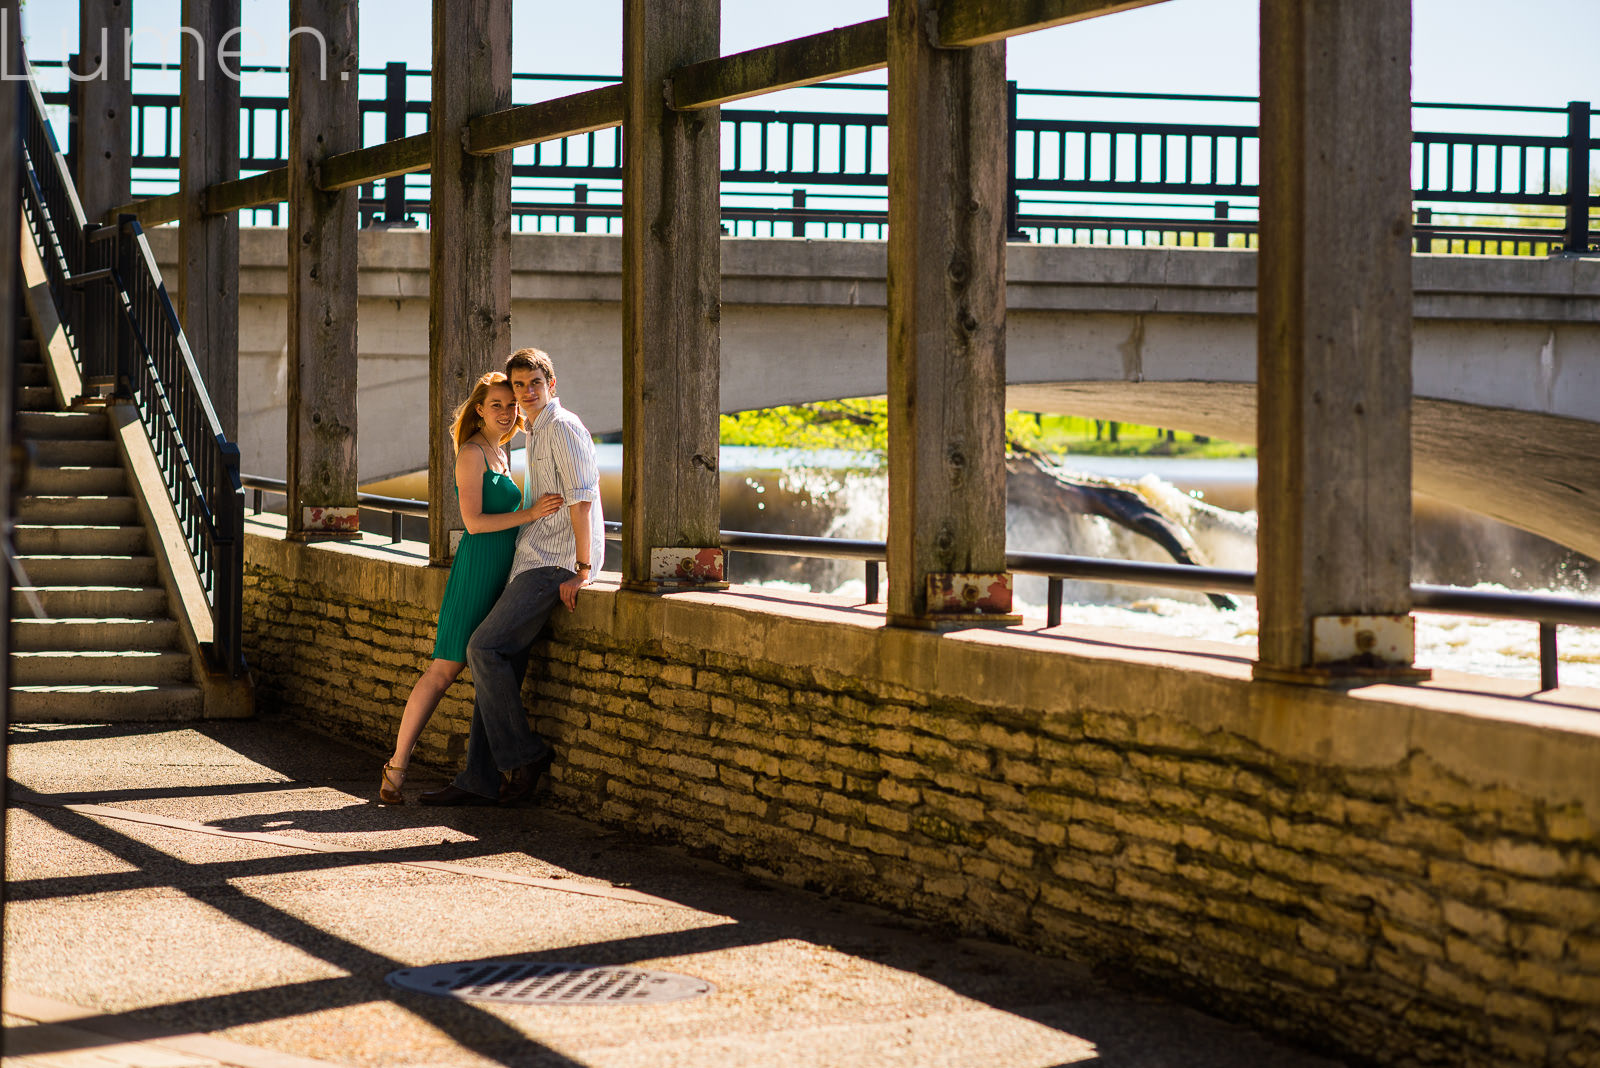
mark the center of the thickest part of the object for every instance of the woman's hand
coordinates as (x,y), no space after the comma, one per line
(549,504)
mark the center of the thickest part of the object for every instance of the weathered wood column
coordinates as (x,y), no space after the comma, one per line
(105,125)
(469,307)
(947,322)
(1334,348)
(323,120)
(10,309)
(208,245)
(671,302)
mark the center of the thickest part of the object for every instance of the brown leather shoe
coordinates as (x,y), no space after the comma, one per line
(521,783)
(454,795)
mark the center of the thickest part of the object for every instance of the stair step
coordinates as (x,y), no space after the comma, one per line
(27,346)
(78,424)
(78,539)
(101,704)
(78,510)
(37,635)
(31,372)
(77,481)
(113,667)
(89,569)
(35,398)
(61,602)
(96,452)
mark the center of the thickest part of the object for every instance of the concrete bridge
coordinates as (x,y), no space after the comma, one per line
(1506,370)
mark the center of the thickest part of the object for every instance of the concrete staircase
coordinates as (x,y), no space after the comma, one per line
(93,638)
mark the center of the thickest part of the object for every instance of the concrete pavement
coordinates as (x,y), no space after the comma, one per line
(229,894)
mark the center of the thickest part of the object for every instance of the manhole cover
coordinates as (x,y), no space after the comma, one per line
(530,982)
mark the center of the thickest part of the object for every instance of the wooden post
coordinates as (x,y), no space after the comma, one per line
(105,127)
(947,320)
(208,245)
(469,308)
(10,309)
(671,302)
(323,120)
(1334,345)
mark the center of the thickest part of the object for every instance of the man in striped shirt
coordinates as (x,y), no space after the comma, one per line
(556,557)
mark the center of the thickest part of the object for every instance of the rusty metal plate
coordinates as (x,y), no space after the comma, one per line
(529,982)
(969,593)
(686,566)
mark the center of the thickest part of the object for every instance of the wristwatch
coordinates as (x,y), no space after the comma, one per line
(583,567)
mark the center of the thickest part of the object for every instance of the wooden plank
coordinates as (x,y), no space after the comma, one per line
(104,118)
(671,297)
(965,23)
(208,242)
(1334,342)
(947,318)
(151,211)
(257,191)
(548,120)
(469,311)
(802,61)
(405,155)
(324,119)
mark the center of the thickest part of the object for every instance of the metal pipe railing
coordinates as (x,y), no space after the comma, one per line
(1547,610)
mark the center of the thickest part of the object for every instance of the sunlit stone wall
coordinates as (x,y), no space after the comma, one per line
(1408,875)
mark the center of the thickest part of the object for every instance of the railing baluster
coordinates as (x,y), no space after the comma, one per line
(1549,664)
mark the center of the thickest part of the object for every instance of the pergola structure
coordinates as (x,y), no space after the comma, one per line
(1334,297)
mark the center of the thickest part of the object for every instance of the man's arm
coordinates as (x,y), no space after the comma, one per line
(579,514)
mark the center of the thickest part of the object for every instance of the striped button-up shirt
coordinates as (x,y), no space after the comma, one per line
(560,460)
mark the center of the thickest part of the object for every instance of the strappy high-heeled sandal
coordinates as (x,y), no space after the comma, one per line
(389,789)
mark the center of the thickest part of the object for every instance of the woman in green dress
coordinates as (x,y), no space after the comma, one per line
(483,425)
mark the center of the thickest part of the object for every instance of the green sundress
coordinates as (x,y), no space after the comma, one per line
(479,572)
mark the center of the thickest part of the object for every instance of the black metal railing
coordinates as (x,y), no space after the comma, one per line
(125,336)
(1542,179)
(1547,610)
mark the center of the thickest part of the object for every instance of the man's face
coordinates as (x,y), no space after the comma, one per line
(532,391)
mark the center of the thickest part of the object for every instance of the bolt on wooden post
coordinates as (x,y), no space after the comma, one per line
(324,119)
(947,319)
(1334,344)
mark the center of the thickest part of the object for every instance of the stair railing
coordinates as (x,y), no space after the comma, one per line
(125,337)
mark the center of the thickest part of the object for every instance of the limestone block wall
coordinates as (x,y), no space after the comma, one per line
(1409,875)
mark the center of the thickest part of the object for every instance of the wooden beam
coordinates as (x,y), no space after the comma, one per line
(469,236)
(406,155)
(802,61)
(671,302)
(548,120)
(257,191)
(965,23)
(151,211)
(208,242)
(947,323)
(324,119)
(1334,340)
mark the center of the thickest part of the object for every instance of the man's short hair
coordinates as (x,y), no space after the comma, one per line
(531,360)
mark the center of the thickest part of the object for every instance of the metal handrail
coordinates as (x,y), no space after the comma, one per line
(1203,160)
(1547,610)
(124,335)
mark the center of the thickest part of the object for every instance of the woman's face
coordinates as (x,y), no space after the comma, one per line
(498,411)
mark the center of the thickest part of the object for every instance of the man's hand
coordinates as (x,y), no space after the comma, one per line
(569,591)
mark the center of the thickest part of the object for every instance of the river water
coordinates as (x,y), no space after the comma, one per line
(822,495)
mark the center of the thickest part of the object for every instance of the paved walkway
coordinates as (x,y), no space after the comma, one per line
(230,895)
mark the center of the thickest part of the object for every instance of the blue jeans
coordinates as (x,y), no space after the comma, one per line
(501,739)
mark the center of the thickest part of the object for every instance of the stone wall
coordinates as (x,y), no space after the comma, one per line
(1410,875)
